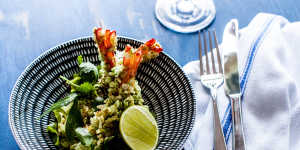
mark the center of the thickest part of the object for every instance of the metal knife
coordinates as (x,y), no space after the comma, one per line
(232,84)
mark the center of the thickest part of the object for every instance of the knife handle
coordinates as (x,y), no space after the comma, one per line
(238,142)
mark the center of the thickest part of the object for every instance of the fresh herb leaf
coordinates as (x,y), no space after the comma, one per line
(88,72)
(57,114)
(52,128)
(69,81)
(75,80)
(79,59)
(74,120)
(62,102)
(84,136)
(86,88)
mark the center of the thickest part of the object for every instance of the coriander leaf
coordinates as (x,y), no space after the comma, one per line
(62,102)
(79,59)
(88,72)
(86,88)
(84,136)
(74,120)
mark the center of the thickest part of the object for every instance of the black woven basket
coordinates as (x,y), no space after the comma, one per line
(165,89)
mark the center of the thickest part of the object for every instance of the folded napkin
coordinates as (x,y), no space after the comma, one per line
(269,67)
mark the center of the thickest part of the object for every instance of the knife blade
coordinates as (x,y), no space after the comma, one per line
(232,84)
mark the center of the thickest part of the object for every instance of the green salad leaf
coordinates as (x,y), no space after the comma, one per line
(60,103)
(88,72)
(74,120)
(84,136)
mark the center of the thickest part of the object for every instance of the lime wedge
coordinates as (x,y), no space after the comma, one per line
(139,128)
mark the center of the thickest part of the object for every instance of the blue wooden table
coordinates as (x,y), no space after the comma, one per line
(29,28)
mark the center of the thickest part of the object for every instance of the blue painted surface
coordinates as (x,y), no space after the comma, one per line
(28,28)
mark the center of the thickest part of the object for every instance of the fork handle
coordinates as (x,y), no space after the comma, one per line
(219,142)
(238,142)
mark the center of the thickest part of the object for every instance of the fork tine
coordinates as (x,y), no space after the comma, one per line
(206,56)
(200,53)
(212,52)
(218,53)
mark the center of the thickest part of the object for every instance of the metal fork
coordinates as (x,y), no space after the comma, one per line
(212,79)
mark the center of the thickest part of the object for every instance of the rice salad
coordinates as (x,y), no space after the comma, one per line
(88,117)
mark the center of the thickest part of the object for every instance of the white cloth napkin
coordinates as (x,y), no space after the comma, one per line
(269,66)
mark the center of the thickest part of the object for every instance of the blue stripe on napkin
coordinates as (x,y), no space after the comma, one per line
(227,125)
